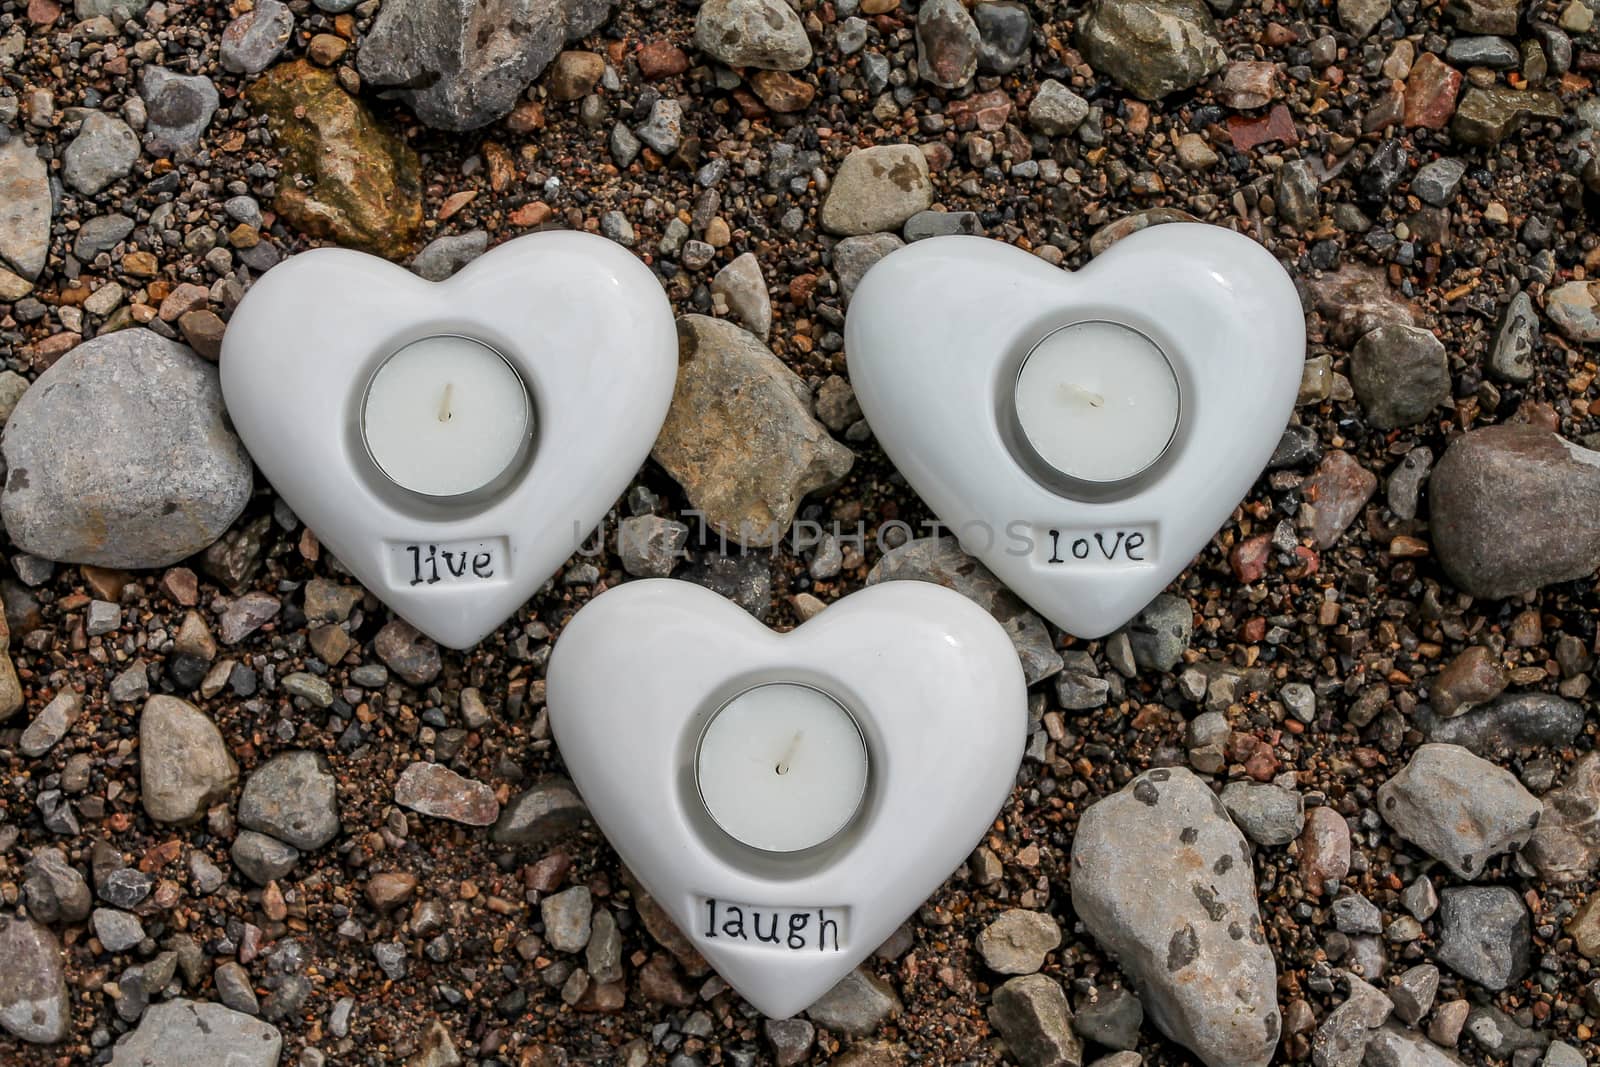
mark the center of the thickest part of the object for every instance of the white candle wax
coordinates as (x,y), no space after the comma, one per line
(782,767)
(445,415)
(1097,401)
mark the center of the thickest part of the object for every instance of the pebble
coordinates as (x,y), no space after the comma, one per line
(104,150)
(262,859)
(1032,1015)
(941,561)
(116,930)
(435,790)
(566,916)
(1487,116)
(25,222)
(1436,182)
(740,438)
(1459,808)
(1018,941)
(1565,847)
(1474,677)
(1006,31)
(99,234)
(877,189)
(348,177)
(1192,939)
(925,224)
(178,108)
(1342,1038)
(51,724)
(1355,300)
(764,34)
(233,988)
(1405,482)
(650,545)
(103,443)
(1268,814)
(948,43)
(443,256)
(293,797)
(1400,375)
(1159,635)
(1151,48)
(663,129)
(1056,110)
(426,53)
(1496,53)
(856,1005)
(1572,308)
(1493,529)
(854,256)
(184,764)
(181,1031)
(1413,992)
(1355,914)
(1511,353)
(1324,849)
(245,615)
(1338,490)
(1298,194)
(255,39)
(1361,17)
(34,1003)
(406,652)
(54,890)
(791,1040)
(1507,724)
(1484,934)
(1113,1018)
(545,812)
(740,283)
(1394,1046)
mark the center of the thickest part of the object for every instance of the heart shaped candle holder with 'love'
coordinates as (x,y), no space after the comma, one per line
(452,443)
(1083,434)
(788,799)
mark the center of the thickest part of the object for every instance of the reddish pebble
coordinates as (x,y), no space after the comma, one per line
(662,59)
(1431,92)
(1249,557)
(1324,849)
(1276,126)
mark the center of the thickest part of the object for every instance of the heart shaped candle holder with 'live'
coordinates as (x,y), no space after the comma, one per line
(452,443)
(788,799)
(1083,434)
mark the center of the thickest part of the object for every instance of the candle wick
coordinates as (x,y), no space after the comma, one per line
(1078,392)
(444,403)
(788,753)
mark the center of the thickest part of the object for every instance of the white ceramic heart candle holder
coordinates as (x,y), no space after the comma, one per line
(453,442)
(788,798)
(1084,434)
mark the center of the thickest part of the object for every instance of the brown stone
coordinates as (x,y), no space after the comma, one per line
(435,790)
(1339,489)
(1324,849)
(662,59)
(388,890)
(574,75)
(1356,299)
(781,91)
(1431,92)
(1472,678)
(327,49)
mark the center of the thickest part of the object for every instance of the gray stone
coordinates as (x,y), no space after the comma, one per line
(1006,30)
(1160,633)
(877,189)
(116,930)
(1493,527)
(1119,1059)
(184,764)
(246,614)
(1113,1019)
(1297,194)
(1561,1054)
(54,890)
(1056,110)
(947,43)
(1436,182)
(1342,1038)
(856,1005)
(408,653)
(233,988)
(1032,1016)
(262,859)
(1458,808)
(1268,814)
(764,34)
(178,108)
(1400,375)
(925,224)
(120,455)
(51,725)
(1394,1046)
(104,150)
(1506,724)
(566,918)
(1496,53)
(1501,1036)
(1573,309)
(1151,47)
(1018,941)
(34,1004)
(549,810)
(941,561)
(650,545)
(740,438)
(1191,938)
(1355,914)
(854,256)
(391,959)
(25,208)
(1361,17)
(791,1040)
(293,797)
(1484,934)
(1565,847)
(198,1033)
(1405,481)
(443,256)
(253,40)
(663,129)
(1413,992)
(740,284)
(603,953)
(99,234)
(461,64)
(1511,353)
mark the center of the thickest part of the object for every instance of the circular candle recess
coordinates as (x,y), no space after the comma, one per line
(1098,401)
(446,415)
(782,767)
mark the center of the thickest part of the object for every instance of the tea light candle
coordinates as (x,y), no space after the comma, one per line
(446,415)
(1097,401)
(782,767)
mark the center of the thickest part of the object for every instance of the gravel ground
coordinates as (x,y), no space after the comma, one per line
(1358,640)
